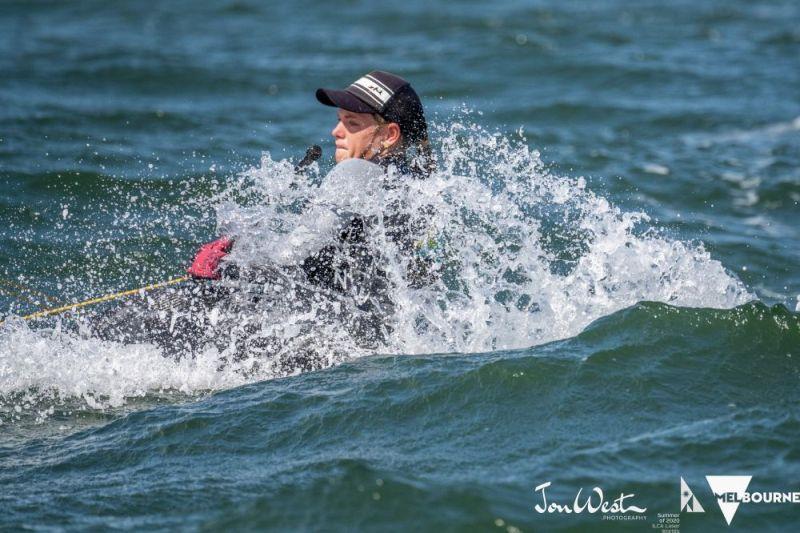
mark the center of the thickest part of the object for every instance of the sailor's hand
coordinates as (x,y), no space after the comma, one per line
(206,262)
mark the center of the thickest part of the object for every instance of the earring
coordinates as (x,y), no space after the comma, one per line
(385,144)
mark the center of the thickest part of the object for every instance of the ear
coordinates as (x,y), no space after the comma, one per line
(392,135)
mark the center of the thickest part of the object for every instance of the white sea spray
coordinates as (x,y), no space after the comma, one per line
(523,257)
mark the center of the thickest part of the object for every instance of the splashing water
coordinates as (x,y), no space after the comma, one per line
(518,255)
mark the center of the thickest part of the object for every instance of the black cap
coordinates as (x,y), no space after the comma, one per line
(385,94)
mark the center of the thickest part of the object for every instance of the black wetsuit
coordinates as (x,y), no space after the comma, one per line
(343,280)
(353,266)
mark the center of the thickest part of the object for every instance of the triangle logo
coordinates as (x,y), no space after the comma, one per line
(726,485)
(689,503)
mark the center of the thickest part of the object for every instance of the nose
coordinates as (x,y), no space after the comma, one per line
(338,131)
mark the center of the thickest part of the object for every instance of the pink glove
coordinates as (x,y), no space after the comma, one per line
(206,262)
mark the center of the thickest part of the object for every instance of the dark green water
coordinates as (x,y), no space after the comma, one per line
(451,442)
(124,133)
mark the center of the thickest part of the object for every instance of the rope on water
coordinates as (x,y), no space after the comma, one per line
(101,299)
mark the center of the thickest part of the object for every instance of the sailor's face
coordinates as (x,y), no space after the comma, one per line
(356,136)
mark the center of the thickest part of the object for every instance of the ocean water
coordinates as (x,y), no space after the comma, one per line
(615,209)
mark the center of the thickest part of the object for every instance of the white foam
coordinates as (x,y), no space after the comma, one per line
(51,365)
(527,257)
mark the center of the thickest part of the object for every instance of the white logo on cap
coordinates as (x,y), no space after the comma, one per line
(372,88)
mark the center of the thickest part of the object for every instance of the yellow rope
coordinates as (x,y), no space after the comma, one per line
(106,298)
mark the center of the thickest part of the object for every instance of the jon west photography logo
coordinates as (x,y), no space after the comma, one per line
(619,508)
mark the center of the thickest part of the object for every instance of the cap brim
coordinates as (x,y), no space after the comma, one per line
(343,100)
